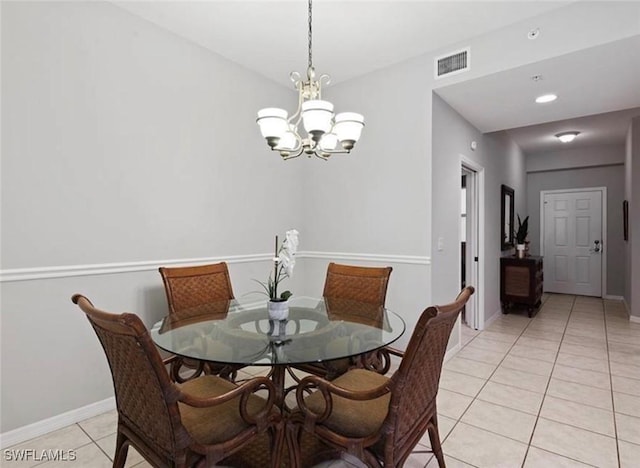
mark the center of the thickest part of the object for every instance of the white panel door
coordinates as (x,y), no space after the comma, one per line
(573,243)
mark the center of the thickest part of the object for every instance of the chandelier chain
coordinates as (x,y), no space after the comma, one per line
(310,37)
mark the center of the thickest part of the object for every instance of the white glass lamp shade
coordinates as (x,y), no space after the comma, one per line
(348,127)
(317,117)
(287,141)
(272,122)
(328,142)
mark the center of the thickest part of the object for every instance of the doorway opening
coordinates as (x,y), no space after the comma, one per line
(471,241)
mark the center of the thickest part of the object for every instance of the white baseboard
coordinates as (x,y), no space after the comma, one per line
(496,315)
(634,319)
(30,431)
(452,352)
(613,298)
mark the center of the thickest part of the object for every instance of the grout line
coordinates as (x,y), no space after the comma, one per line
(613,400)
(535,424)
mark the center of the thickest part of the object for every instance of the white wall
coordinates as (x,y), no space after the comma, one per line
(121,142)
(503,163)
(585,156)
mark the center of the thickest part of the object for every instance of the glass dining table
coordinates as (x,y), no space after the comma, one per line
(237,334)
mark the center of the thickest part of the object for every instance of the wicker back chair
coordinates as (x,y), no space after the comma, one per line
(345,287)
(196,289)
(362,284)
(194,424)
(380,419)
(193,292)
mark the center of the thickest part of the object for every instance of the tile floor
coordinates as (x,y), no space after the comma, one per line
(559,390)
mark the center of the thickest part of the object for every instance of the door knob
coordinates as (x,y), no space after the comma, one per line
(597,246)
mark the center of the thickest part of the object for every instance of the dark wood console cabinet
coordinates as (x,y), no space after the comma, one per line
(521,282)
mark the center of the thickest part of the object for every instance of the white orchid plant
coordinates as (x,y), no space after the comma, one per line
(283,263)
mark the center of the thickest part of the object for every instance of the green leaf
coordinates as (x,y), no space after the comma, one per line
(286,295)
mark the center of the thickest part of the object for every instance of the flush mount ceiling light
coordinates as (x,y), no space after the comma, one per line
(324,129)
(546,98)
(567,137)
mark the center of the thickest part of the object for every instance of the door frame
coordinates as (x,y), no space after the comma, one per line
(603,191)
(477,244)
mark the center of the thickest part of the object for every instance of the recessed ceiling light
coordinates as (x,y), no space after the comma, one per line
(546,98)
(567,137)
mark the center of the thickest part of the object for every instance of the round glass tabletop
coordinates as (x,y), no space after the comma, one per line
(232,332)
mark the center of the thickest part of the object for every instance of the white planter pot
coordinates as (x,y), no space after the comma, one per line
(278,310)
(520,250)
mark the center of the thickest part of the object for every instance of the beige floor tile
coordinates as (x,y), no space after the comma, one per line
(576,414)
(533,366)
(480,354)
(445,425)
(67,438)
(90,456)
(511,397)
(584,377)
(578,444)
(625,385)
(451,404)
(544,335)
(551,327)
(501,420)
(481,448)
(596,334)
(592,342)
(538,343)
(538,458)
(490,345)
(624,358)
(627,404)
(531,352)
(498,336)
(628,428)
(461,383)
(624,339)
(581,362)
(586,351)
(625,370)
(469,367)
(524,380)
(579,393)
(449,461)
(101,425)
(415,460)
(629,454)
(108,446)
(616,347)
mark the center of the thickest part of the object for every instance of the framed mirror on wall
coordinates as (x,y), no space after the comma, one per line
(506,216)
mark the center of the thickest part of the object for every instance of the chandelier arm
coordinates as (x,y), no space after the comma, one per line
(294,155)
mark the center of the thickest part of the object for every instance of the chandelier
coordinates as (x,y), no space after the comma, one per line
(326,133)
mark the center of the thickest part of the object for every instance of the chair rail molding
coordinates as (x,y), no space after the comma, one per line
(39,273)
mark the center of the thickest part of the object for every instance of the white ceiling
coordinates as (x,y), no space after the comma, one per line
(354,37)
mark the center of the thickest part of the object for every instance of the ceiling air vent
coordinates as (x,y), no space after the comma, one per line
(452,64)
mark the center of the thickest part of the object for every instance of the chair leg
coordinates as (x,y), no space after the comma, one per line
(277,435)
(122,447)
(294,432)
(434,438)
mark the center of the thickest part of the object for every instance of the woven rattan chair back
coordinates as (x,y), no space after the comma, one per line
(196,289)
(142,385)
(415,383)
(364,284)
